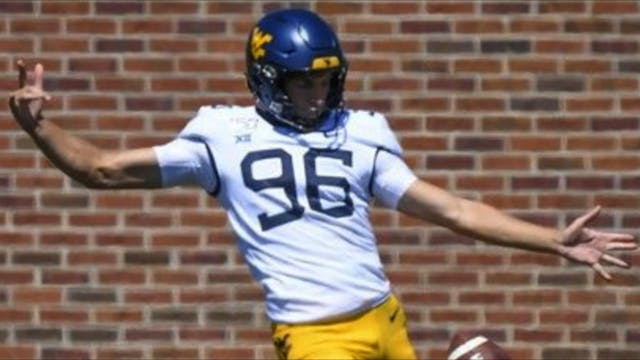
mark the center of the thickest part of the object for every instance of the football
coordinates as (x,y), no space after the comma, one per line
(472,345)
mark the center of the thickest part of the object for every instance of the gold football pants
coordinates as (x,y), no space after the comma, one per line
(379,333)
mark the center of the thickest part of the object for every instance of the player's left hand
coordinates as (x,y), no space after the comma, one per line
(585,245)
(27,102)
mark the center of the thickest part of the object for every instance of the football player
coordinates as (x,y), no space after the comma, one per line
(296,174)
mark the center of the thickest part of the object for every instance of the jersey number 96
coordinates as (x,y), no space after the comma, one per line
(287,182)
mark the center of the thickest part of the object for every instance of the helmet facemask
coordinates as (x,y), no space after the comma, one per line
(278,103)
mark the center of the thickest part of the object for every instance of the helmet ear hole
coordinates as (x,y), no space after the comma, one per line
(269,72)
(287,41)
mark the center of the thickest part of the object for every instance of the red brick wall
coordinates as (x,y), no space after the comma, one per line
(529,106)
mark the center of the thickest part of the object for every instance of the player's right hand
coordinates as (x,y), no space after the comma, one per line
(26,103)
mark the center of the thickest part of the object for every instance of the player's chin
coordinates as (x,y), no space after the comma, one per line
(311,112)
(309,119)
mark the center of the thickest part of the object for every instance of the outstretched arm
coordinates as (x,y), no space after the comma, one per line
(577,242)
(79,159)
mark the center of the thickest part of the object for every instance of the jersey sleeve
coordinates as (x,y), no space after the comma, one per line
(391,175)
(188,159)
(385,136)
(391,178)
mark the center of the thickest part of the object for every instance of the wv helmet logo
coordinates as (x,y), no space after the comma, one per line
(258,40)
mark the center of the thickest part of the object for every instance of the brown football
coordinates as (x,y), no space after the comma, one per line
(472,345)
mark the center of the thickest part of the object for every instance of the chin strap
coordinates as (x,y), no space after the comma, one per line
(297,124)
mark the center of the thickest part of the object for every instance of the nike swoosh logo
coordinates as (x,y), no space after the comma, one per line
(393,316)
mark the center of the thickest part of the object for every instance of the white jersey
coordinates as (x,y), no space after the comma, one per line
(298,202)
